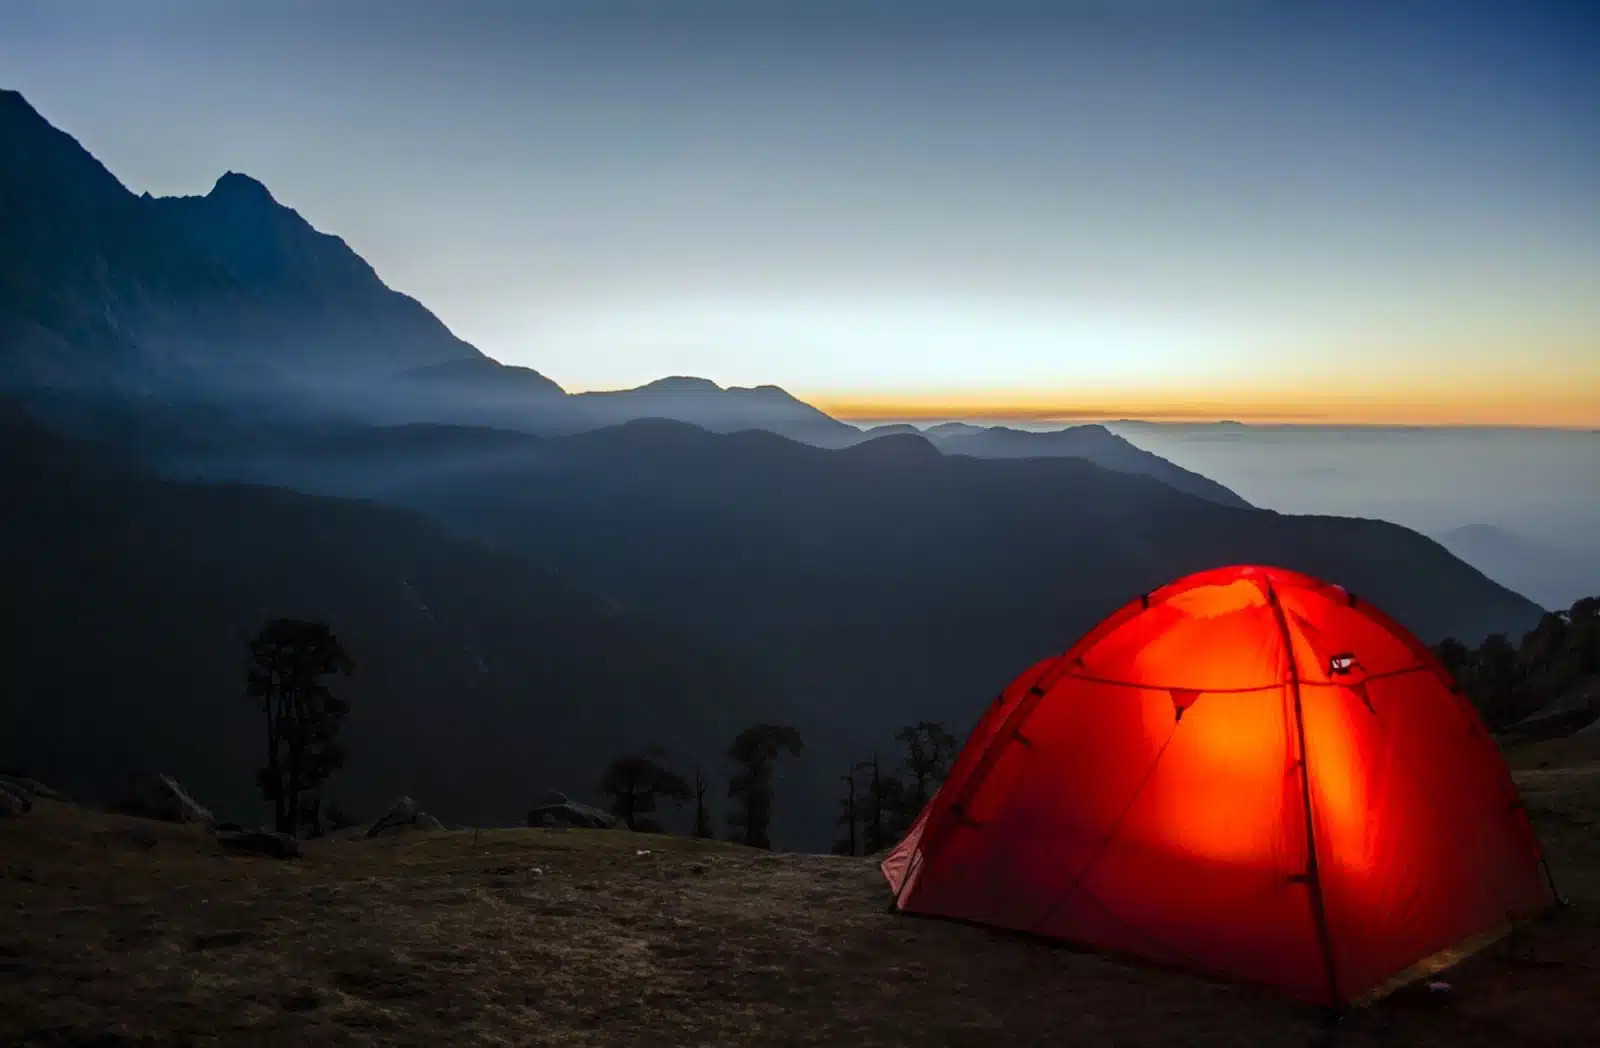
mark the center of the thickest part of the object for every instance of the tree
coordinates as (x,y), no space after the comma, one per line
(754,753)
(849,817)
(1498,675)
(930,748)
(635,782)
(884,798)
(702,814)
(290,658)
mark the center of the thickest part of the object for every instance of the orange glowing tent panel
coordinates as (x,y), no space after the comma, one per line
(1248,773)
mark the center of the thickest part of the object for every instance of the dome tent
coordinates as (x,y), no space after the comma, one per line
(1145,793)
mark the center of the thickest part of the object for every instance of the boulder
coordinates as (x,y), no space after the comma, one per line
(261,842)
(403,817)
(29,787)
(571,814)
(13,802)
(156,796)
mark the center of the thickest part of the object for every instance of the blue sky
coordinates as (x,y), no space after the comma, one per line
(1385,210)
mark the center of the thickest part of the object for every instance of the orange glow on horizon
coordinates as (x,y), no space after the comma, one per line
(1512,402)
(1575,408)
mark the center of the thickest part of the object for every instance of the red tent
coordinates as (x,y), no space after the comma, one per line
(1145,793)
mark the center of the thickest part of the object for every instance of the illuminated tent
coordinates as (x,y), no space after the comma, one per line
(1144,793)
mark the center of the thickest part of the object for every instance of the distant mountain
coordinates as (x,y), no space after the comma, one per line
(233,295)
(1092,442)
(177,304)
(884,582)
(710,406)
(481,680)
(890,428)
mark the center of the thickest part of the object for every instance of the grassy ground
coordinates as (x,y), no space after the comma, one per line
(117,931)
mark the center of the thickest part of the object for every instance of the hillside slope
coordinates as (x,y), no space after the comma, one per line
(481,679)
(885,582)
(1093,443)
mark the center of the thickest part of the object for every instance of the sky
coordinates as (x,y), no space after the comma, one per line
(1382,211)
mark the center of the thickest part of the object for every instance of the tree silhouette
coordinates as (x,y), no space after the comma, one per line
(1509,682)
(930,748)
(702,814)
(635,782)
(884,797)
(290,658)
(849,817)
(754,753)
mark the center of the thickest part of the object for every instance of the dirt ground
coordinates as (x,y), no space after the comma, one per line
(118,931)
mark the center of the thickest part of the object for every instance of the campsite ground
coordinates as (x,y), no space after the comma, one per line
(121,931)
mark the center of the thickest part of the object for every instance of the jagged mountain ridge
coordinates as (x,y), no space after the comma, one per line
(101,287)
(233,295)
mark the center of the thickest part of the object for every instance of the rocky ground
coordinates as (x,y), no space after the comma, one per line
(123,931)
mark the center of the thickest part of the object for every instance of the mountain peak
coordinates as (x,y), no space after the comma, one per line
(682,384)
(12,103)
(234,185)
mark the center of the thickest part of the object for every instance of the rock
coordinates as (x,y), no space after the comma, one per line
(572,814)
(30,787)
(229,827)
(14,802)
(261,842)
(550,797)
(156,796)
(403,817)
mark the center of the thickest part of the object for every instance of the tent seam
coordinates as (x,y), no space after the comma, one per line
(1111,835)
(1319,913)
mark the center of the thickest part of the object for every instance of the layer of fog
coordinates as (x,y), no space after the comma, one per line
(1521,505)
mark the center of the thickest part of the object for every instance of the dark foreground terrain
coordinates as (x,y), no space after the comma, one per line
(120,931)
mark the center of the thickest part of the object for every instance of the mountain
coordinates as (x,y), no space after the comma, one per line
(885,582)
(481,679)
(221,293)
(710,406)
(1093,443)
(1544,572)
(167,306)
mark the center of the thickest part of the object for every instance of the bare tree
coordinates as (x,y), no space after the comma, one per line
(702,814)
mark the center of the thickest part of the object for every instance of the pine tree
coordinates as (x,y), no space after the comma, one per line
(754,753)
(883,799)
(930,749)
(290,658)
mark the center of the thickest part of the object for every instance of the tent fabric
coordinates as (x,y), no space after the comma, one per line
(1145,793)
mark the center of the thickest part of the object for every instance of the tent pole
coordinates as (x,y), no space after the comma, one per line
(1550,879)
(1319,914)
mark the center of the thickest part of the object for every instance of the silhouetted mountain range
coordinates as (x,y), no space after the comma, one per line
(481,680)
(232,296)
(880,582)
(1091,442)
